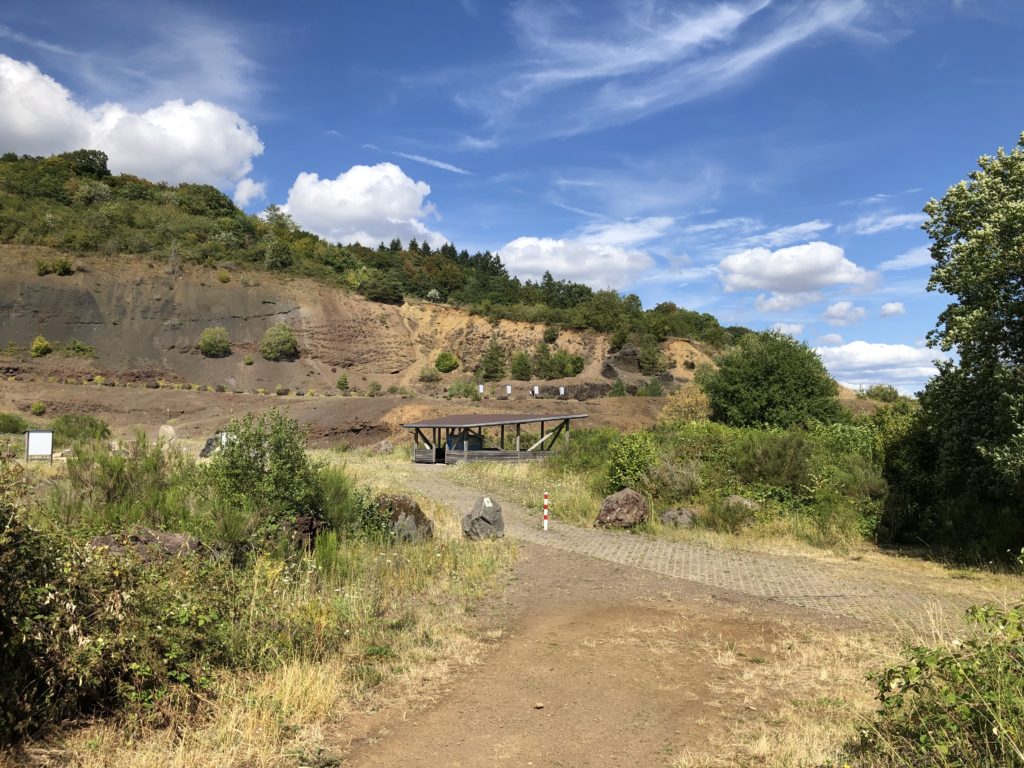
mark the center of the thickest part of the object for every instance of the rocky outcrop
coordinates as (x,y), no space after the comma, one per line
(678,518)
(148,544)
(406,521)
(484,521)
(624,509)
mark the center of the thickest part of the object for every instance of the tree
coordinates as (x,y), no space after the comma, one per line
(770,379)
(492,365)
(522,366)
(446,361)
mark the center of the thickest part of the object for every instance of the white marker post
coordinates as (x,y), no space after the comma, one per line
(508,390)
(545,510)
(480,388)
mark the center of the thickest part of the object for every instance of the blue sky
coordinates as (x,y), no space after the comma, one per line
(762,160)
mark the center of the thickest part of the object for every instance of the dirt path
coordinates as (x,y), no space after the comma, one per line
(609,644)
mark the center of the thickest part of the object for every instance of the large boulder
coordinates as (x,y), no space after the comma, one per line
(624,509)
(678,518)
(484,521)
(147,543)
(748,505)
(406,520)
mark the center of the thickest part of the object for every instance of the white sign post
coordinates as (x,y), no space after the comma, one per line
(508,390)
(39,445)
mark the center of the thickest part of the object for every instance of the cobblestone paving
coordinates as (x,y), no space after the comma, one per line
(820,586)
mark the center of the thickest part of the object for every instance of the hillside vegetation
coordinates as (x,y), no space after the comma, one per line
(73,203)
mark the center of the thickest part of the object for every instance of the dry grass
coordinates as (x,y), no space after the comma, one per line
(409,613)
(805,698)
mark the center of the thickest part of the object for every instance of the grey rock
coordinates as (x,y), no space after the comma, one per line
(147,543)
(743,503)
(484,521)
(407,522)
(624,509)
(678,518)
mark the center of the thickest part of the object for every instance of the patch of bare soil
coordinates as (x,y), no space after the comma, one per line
(598,665)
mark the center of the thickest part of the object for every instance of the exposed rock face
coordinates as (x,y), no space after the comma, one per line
(407,521)
(484,521)
(305,529)
(211,447)
(678,518)
(147,543)
(624,509)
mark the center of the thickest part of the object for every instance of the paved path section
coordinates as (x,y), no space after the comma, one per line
(834,589)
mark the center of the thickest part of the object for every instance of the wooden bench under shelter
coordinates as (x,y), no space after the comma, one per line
(451,439)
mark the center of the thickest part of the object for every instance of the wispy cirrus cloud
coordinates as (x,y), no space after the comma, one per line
(434,163)
(873,223)
(611,69)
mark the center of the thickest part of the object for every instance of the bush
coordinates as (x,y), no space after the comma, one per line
(63,267)
(279,344)
(40,347)
(342,383)
(726,515)
(373,389)
(38,408)
(224,276)
(214,342)
(76,348)
(770,379)
(779,459)
(384,288)
(446,362)
(12,424)
(247,360)
(652,388)
(429,375)
(685,405)
(462,388)
(522,366)
(618,389)
(492,366)
(883,393)
(632,458)
(44,268)
(264,465)
(550,335)
(955,705)
(71,428)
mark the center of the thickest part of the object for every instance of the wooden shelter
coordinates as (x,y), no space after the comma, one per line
(451,439)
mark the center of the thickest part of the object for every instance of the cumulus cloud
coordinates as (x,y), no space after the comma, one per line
(602,256)
(893,308)
(365,204)
(248,191)
(916,257)
(173,142)
(793,329)
(873,223)
(861,364)
(784,302)
(796,269)
(843,313)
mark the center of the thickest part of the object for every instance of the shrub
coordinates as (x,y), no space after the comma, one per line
(223,275)
(522,366)
(770,379)
(279,344)
(44,268)
(685,405)
(960,704)
(247,360)
(884,393)
(429,375)
(383,287)
(550,335)
(618,389)
(40,347)
(632,458)
(462,388)
(63,267)
(652,388)
(780,459)
(673,480)
(12,424)
(446,362)
(38,408)
(214,342)
(342,383)
(726,515)
(76,348)
(264,464)
(373,389)
(75,427)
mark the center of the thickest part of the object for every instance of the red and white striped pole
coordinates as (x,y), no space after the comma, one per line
(545,510)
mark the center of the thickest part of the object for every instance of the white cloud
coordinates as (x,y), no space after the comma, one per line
(843,313)
(796,269)
(733,224)
(602,256)
(248,191)
(893,308)
(365,204)
(435,163)
(916,257)
(861,364)
(793,329)
(791,234)
(831,339)
(784,302)
(608,70)
(873,223)
(174,142)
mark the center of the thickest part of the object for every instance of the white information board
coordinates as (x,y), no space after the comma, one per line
(38,444)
